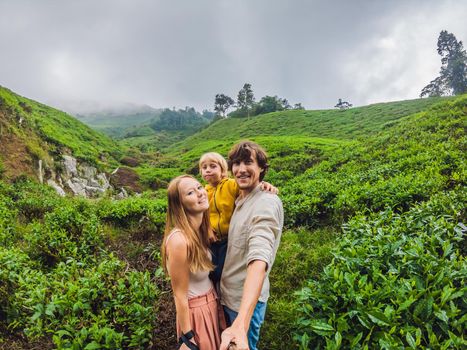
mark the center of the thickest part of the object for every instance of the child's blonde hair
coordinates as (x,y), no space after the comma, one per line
(216,158)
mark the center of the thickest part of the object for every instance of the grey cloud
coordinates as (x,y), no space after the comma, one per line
(182,53)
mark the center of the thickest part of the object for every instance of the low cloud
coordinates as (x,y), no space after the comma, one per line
(183,53)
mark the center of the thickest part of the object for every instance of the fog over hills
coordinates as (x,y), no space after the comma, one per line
(183,53)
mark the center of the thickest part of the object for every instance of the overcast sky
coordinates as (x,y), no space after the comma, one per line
(183,52)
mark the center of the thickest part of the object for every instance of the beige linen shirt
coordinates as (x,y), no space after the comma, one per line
(254,234)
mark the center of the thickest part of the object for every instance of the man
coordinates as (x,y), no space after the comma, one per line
(254,236)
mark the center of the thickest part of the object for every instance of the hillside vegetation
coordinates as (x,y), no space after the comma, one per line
(147,129)
(115,123)
(373,255)
(31,131)
(295,138)
(339,124)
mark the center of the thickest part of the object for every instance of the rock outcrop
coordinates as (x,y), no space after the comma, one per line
(80,179)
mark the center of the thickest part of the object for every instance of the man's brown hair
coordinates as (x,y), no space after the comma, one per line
(244,150)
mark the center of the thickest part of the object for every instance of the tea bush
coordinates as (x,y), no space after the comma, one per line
(80,304)
(156,177)
(301,256)
(132,210)
(57,280)
(398,168)
(7,221)
(70,231)
(397,281)
(34,200)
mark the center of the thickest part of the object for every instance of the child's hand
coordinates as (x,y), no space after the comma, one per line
(212,237)
(266,186)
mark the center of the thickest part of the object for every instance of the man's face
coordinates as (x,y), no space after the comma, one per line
(246,173)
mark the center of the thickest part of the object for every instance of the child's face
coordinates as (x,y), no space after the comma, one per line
(211,172)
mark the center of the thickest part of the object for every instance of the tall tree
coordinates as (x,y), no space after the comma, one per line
(298,106)
(452,79)
(269,104)
(246,98)
(343,104)
(222,103)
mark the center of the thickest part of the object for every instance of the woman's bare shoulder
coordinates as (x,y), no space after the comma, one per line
(176,240)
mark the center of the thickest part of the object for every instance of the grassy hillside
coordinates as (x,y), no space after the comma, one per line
(395,194)
(337,124)
(42,132)
(294,139)
(147,140)
(116,124)
(168,127)
(373,255)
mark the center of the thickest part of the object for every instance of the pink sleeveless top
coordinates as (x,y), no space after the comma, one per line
(199,283)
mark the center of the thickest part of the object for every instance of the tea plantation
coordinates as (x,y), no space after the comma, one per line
(372,257)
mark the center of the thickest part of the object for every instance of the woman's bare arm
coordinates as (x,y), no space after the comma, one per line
(179,271)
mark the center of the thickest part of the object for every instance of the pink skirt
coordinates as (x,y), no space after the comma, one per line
(207,320)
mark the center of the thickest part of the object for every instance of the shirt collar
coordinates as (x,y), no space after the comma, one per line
(239,201)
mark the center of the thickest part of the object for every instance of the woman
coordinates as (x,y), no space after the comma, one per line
(187,260)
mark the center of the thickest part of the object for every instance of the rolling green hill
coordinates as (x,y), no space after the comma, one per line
(346,124)
(286,135)
(31,131)
(146,129)
(117,123)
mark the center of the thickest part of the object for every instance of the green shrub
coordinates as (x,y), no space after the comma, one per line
(134,210)
(70,231)
(34,200)
(7,221)
(399,167)
(301,255)
(82,306)
(395,281)
(14,265)
(157,178)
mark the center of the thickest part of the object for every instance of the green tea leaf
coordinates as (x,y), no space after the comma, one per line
(410,340)
(406,303)
(320,326)
(338,339)
(92,346)
(442,316)
(378,317)
(356,339)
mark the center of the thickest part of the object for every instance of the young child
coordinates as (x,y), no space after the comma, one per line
(222,193)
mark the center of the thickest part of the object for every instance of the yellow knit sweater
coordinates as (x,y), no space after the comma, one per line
(221,205)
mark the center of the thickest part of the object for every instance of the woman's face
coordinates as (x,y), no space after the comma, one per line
(193,196)
(211,172)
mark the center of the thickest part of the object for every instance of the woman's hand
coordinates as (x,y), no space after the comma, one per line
(185,347)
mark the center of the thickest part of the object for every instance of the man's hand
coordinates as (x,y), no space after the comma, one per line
(234,335)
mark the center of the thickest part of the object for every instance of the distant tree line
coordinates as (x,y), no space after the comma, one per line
(452,79)
(246,105)
(182,119)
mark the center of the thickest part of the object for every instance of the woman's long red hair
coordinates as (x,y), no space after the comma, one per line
(197,240)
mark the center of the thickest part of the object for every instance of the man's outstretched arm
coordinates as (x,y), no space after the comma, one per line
(256,272)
